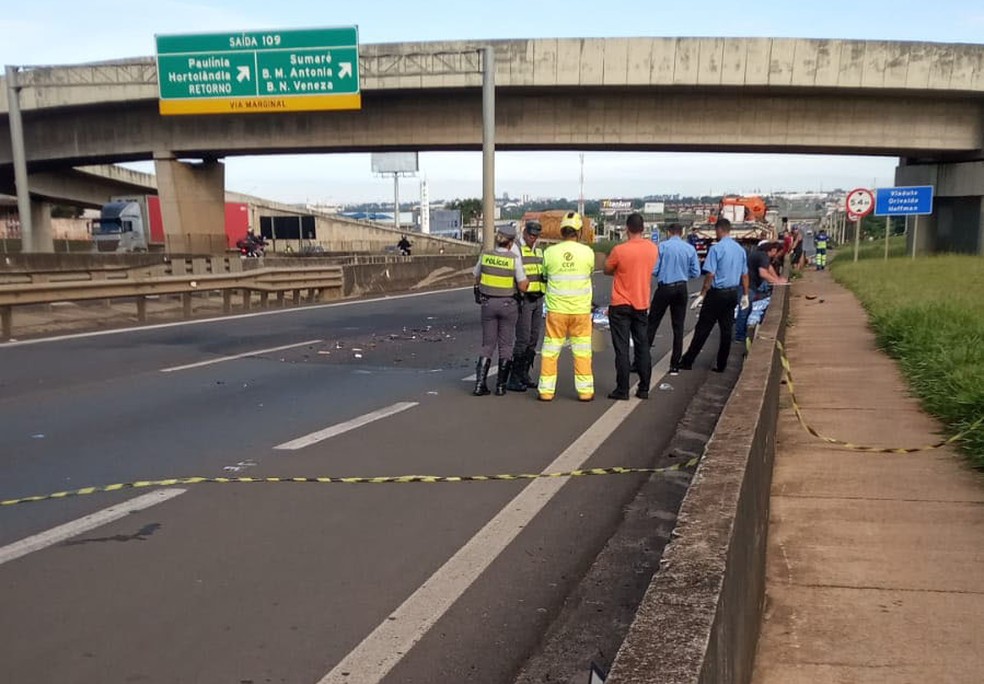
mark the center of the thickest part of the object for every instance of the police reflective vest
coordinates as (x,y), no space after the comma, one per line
(533,265)
(568,267)
(497,277)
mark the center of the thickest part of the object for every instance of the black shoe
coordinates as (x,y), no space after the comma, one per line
(634,369)
(686,365)
(719,370)
(674,370)
(515,383)
(503,377)
(482,376)
(528,360)
(642,394)
(618,396)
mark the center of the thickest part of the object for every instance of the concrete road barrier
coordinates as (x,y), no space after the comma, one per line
(699,619)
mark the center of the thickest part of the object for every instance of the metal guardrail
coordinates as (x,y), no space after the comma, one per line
(319,282)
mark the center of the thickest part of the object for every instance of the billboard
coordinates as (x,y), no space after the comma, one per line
(394,162)
(614,206)
(654,208)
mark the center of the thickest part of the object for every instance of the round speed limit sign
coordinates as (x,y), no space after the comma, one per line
(860,202)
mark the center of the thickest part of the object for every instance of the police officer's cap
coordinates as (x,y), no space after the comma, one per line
(508,230)
(533,227)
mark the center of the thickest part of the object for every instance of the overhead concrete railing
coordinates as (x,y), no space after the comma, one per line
(754,94)
(560,62)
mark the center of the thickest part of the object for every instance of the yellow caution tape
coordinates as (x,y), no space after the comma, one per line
(788,374)
(389,479)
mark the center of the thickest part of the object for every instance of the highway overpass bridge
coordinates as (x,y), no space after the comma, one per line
(922,102)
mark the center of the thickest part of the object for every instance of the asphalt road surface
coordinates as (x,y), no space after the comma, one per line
(305,583)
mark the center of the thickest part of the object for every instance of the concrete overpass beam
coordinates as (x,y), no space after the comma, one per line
(43,240)
(957,223)
(192,205)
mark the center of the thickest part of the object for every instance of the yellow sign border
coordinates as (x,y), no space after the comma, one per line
(262,105)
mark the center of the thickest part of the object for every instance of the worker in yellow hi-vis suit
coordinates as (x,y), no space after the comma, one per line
(567,268)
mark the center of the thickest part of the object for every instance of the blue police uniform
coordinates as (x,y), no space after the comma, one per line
(677,264)
(728,262)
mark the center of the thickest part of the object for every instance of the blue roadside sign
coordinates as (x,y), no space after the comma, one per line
(906,201)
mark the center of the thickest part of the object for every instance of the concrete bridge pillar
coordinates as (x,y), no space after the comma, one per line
(42,239)
(957,222)
(192,205)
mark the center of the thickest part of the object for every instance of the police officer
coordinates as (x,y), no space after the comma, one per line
(726,279)
(678,263)
(530,321)
(568,266)
(499,280)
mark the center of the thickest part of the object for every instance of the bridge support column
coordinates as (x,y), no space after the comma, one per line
(957,222)
(192,205)
(43,239)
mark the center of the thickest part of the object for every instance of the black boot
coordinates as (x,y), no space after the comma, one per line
(503,377)
(528,360)
(516,383)
(482,376)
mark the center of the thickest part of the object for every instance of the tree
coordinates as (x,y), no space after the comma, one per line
(470,209)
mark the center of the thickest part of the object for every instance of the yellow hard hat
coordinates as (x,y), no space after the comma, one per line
(571,219)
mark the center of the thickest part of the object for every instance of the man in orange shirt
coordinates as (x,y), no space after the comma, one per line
(632,264)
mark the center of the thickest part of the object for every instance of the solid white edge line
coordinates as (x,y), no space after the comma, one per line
(76,527)
(341,428)
(385,646)
(233,357)
(220,319)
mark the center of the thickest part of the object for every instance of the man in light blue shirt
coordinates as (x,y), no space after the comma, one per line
(677,264)
(726,280)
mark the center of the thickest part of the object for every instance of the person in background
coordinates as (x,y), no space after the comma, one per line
(761,277)
(499,278)
(404,245)
(530,321)
(726,280)
(821,242)
(797,261)
(568,266)
(632,263)
(678,263)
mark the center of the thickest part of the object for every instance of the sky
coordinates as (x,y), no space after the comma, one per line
(66,32)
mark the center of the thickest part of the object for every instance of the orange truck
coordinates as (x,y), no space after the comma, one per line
(550,221)
(748,223)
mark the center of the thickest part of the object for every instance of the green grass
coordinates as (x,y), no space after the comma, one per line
(604,246)
(929,314)
(873,249)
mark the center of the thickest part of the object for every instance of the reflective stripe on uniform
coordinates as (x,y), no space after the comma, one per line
(533,266)
(497,277)
(567,267)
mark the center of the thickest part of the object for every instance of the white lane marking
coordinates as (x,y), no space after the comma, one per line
(335,430)
(233,357)
(219,319)
(379,652)
(90,522)
(493,371)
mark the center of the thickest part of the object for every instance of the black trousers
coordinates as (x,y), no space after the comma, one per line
(719,308)
(673,297)
(624,321)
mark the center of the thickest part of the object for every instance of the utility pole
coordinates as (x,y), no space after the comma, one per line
(580,201)
(488,147)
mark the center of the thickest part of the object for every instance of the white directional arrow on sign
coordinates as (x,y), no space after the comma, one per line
(345,70)
(243,74)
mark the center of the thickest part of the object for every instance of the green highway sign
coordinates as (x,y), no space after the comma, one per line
(259,71)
